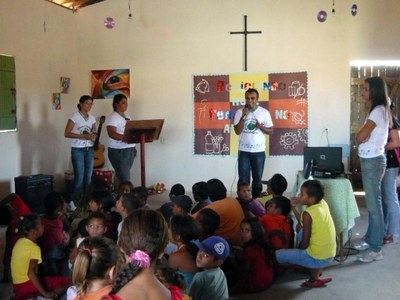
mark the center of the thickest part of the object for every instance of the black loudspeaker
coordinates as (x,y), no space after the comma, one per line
(33,189)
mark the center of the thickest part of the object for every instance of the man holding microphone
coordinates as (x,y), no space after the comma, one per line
(251,123)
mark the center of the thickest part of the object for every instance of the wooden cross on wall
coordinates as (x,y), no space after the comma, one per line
(245,32)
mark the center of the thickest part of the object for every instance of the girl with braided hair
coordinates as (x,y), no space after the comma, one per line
(143,238)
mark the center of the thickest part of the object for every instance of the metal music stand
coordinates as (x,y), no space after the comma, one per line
(142,131)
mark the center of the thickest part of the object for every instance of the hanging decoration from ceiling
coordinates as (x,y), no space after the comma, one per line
(109,22)
(322,16)
(354,10)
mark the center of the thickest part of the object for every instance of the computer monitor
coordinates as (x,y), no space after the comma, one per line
(324,158)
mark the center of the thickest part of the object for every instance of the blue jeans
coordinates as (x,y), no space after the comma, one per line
(82,162)
(122,161)
(255,162)
(300,257)
(372,171)
(390,203)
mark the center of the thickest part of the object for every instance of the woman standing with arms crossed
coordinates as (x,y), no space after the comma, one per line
(81,128)
(120,154)
(371,140)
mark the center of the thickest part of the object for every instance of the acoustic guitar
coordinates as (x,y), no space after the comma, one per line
(98,157)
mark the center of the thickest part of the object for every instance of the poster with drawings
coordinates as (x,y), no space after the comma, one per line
(217,98)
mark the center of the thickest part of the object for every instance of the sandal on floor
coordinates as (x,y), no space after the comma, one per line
(316,283)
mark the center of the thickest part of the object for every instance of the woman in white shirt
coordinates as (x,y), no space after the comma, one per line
(120,154)
(371,140)
(81,129)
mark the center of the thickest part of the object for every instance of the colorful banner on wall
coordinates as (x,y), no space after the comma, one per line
(218,97)
(107,83)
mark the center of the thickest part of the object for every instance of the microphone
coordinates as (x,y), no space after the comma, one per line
(248,107)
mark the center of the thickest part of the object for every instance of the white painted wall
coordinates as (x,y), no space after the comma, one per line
(165,43)
(43,39)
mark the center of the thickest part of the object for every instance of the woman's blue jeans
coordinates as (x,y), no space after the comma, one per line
(82,161)
(254,162)
(372,171)
(122,161)
(390,203)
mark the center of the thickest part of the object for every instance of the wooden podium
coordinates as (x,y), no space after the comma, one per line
(142,131)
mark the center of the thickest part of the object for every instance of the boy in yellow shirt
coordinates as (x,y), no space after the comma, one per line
(317,235)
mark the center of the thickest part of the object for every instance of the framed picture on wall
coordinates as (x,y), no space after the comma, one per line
(107,83)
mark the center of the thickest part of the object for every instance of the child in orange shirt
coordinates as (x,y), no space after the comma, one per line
(277,224)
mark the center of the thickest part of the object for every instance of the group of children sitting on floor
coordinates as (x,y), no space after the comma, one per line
(119,248)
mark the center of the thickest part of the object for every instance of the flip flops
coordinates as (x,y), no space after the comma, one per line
(316,283)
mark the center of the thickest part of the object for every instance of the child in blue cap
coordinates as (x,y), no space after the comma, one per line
(210,283)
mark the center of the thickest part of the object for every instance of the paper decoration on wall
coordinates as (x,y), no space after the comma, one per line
(107,83)
(64,84)
(109,22)
(322,16)
(56,101)
(217,97)
(354,9)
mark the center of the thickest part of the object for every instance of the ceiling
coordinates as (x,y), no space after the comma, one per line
(74,4)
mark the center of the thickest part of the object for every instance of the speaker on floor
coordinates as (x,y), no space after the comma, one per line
(33,189)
